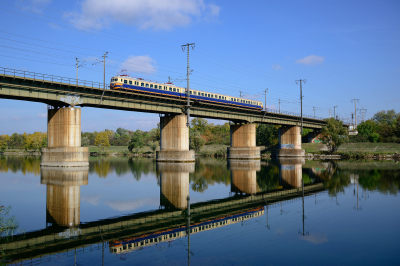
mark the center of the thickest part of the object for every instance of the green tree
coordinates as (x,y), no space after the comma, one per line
(196,142)
(137,141)
(266,135)
(199,124)
(85,141)
(153,145)
(334,134)
(386,117)
(102,140)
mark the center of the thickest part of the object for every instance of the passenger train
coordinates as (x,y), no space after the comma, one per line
(126,83)
(135,243)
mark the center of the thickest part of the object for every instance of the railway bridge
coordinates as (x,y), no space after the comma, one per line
(66,97)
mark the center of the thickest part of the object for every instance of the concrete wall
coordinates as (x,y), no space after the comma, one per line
(289,137)
(313,137)
(64,127)
(244,176)
(174,133)
(290,172)
(243,135)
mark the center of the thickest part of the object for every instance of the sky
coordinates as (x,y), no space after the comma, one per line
(343,49)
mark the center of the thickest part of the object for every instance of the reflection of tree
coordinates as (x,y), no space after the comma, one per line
(25,164)
(335,181)
(141,166)
(102,167)
(8,224)
(209,172)
(268,177)
(385,181)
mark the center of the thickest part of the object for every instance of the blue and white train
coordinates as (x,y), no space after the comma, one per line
(126,83)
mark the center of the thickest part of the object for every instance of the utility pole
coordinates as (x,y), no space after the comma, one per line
(355,111)
(188,80)
(329,113)
(363,111)
(314,110)
(104,73)
(78,66)
(265,102)
(352,121)
(301,102)
(334,111)
(280,105)
(240,92)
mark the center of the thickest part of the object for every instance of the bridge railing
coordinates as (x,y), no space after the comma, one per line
(52,78)
(293,114)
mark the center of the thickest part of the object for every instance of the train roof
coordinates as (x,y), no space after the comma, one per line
(173,85)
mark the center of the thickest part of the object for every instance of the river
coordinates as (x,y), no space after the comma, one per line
(134,211)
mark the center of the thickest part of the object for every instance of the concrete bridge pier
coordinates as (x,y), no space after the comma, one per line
(64,139)
(314,137)
(290,142)
(174,184)
(243,143)
(244,176)
(291,172)
(174,140)
(63,194)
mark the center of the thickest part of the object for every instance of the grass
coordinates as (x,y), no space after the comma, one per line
(355,149)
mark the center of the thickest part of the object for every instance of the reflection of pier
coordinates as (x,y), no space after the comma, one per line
(244,176)
(290,171)
(56,239)
(174,184)
(63,194)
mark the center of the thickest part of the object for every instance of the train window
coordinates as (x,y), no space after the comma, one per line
(151,85)
(147,85)
(151,240)
(170,89)
(142,84)
(130,82)
(174,89)
(155,86)
(194,93)
(125,81)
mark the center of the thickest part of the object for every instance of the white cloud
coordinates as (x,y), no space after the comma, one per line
(311,60)
(139,64)
(315,239)
(42,115)
(92,200)
(277,67)
(154,14)
(131,205)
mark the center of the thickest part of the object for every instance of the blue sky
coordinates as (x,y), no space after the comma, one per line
(344,49)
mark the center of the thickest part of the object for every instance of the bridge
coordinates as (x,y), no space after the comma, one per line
(65,94)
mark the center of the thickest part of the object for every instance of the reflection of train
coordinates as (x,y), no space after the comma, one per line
(131,244)
(126,83)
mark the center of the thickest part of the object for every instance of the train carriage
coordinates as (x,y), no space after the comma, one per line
(126,83)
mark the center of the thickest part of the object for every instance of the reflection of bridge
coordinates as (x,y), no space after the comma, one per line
(63,210)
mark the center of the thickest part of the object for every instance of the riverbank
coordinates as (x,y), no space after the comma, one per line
(313,150)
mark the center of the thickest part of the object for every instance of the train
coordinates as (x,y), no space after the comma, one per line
(125,83)
(135,243)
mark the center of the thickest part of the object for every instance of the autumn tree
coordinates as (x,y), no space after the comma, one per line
(4,142)
(102,140)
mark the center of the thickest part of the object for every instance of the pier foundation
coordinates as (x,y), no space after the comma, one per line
(244,176)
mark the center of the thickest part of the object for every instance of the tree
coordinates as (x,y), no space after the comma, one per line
(102,140)
(4,142)
(334,134)
(153,145)
(386,117)
(137,141)
(35,141)
(85,141)
(196,142)
(199,124)
(266,135)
